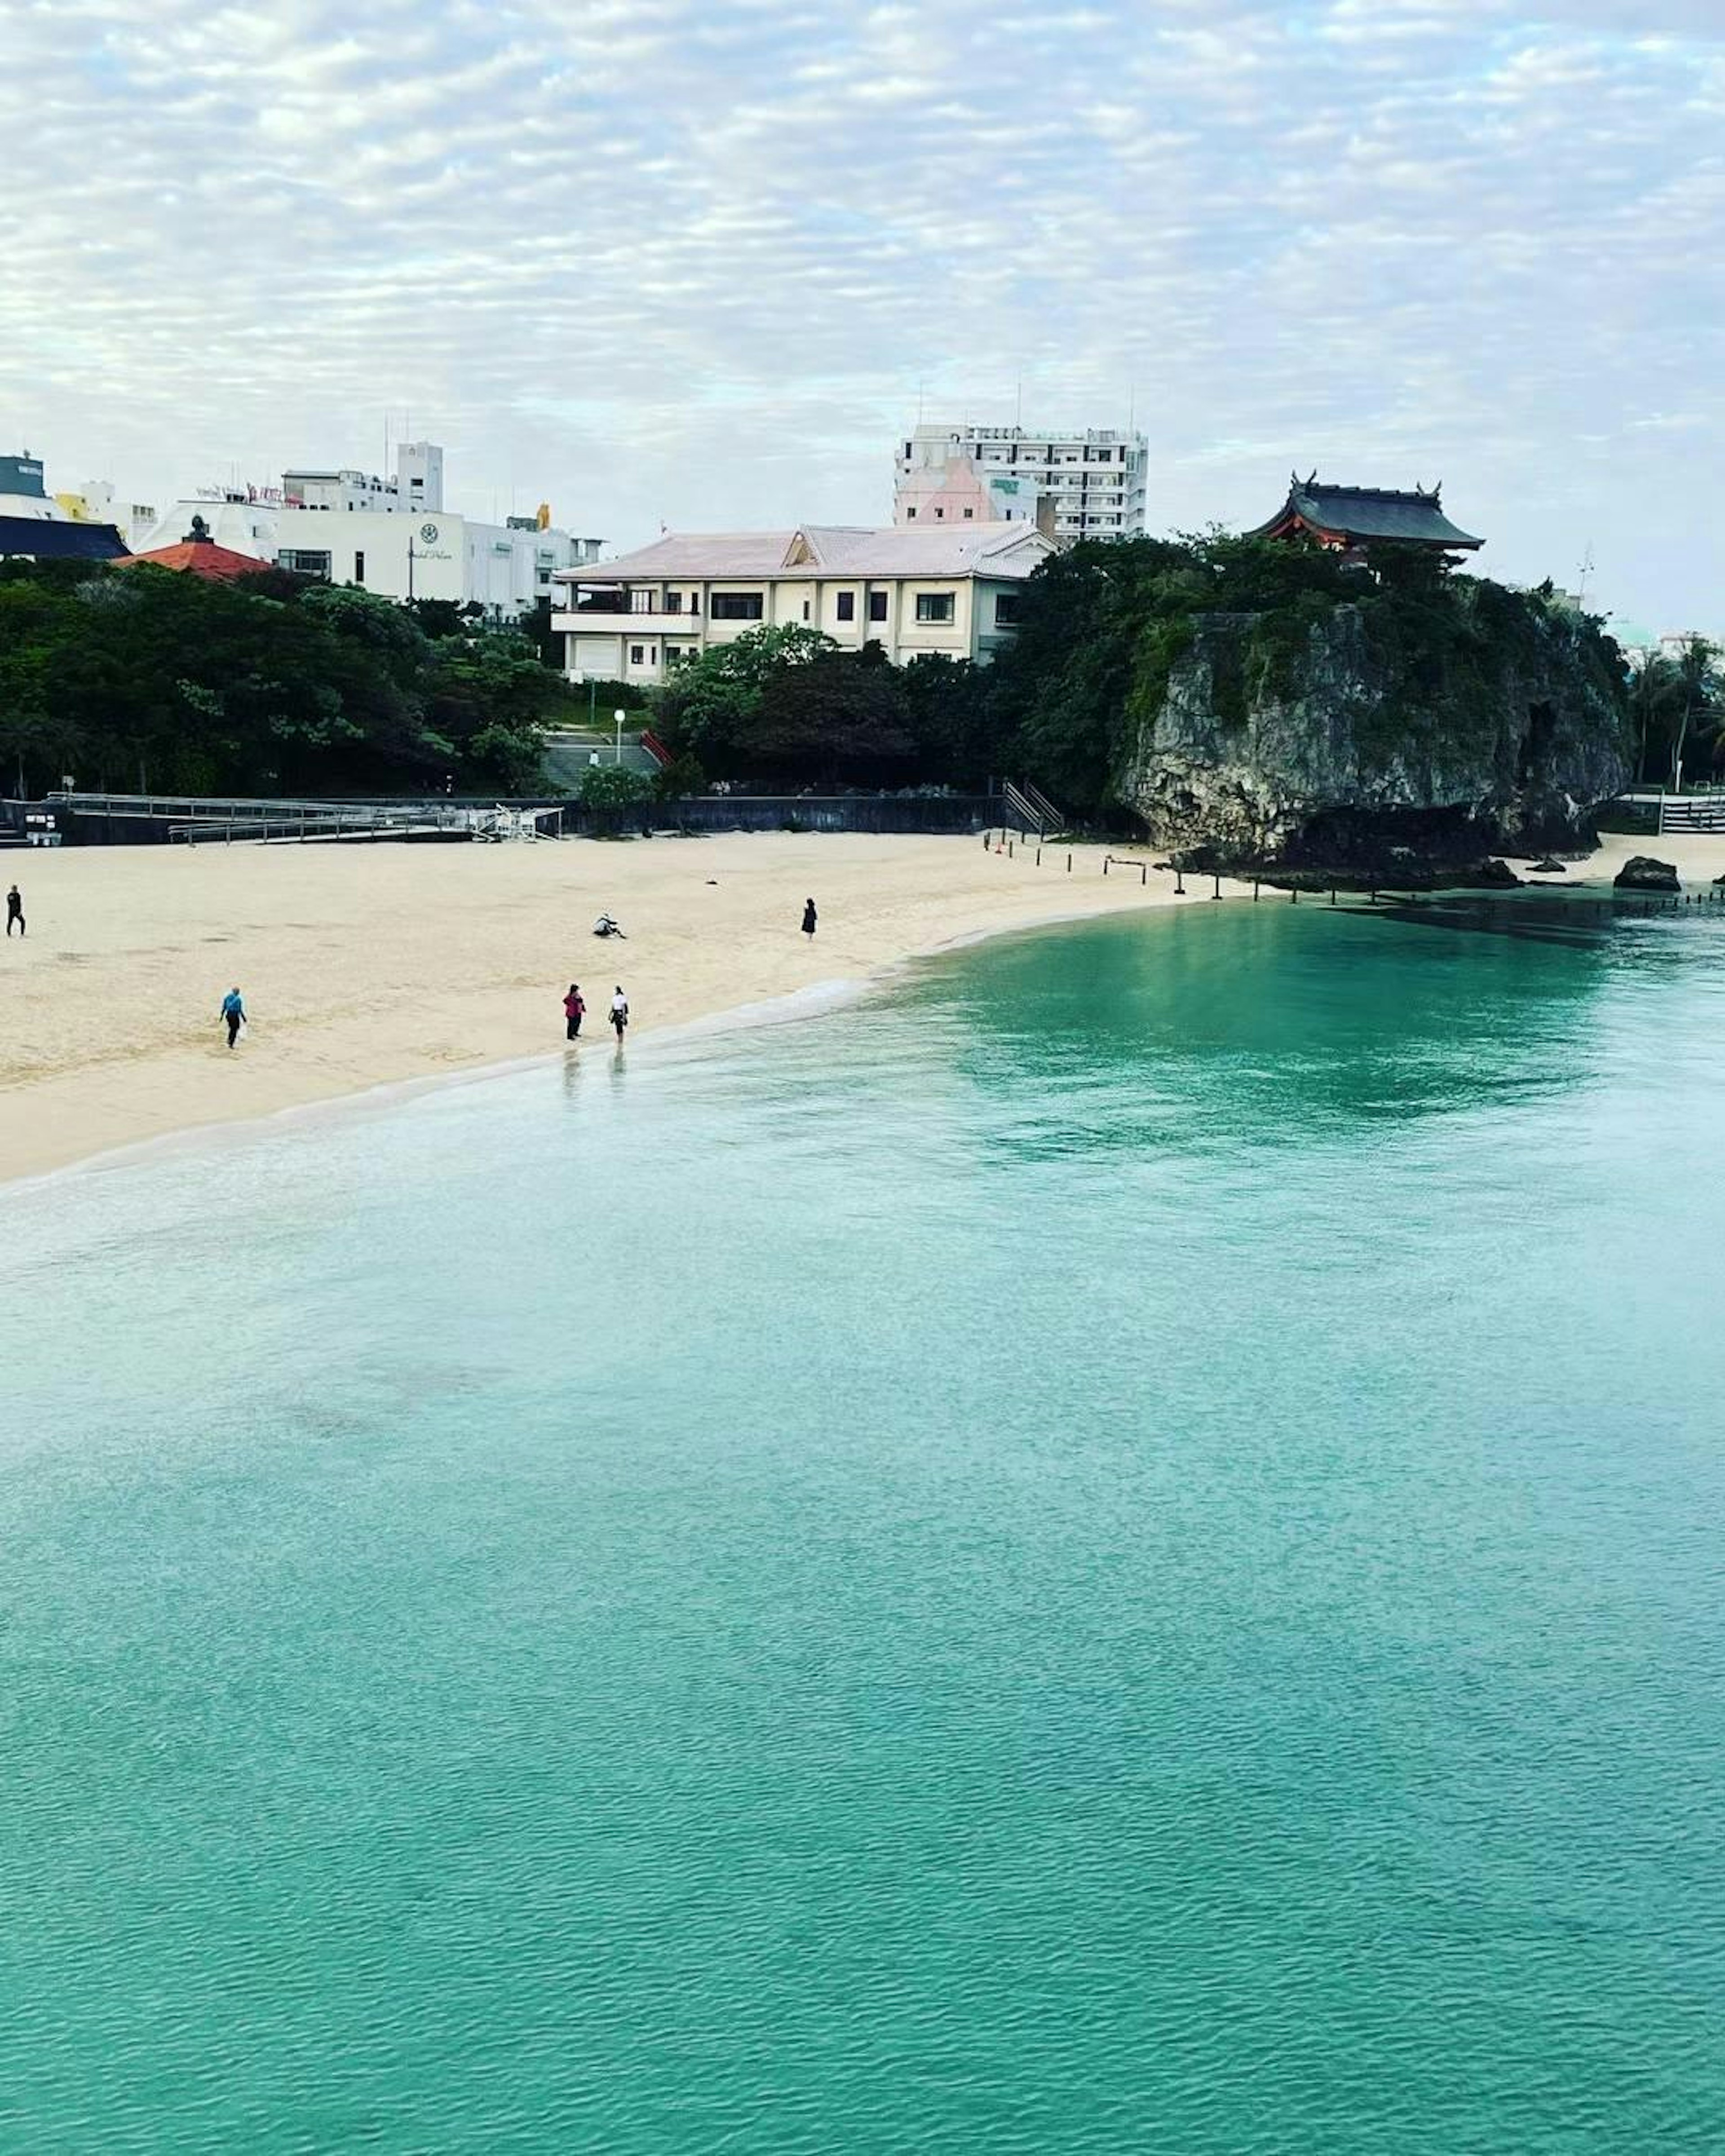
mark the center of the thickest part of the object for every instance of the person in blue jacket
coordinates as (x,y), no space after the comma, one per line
(234,1010)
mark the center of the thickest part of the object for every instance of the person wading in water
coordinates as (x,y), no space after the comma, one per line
(619,1013)
(809,917)
(574,1010)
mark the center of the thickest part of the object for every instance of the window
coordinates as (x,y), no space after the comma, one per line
(934,606)
(674,601)
(309,564)
(911,515)
(637,654)
(847,605)
(736,606)
(359,566)
(639,601)
(970,512)
(805,609)
(877,606)
(1006,609)
(940,515)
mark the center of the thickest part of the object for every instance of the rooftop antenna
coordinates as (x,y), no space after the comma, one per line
(1587,570)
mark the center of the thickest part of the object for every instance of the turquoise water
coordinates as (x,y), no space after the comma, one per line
(1118,1548)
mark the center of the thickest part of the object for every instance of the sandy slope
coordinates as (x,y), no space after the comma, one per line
(363,964)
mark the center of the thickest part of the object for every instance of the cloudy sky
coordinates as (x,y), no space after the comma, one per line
(699,261)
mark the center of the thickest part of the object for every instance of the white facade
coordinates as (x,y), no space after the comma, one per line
(504,568)
(951,590)
(392,537)
(97,503)
(1097,478)
(418,485)
(245,523)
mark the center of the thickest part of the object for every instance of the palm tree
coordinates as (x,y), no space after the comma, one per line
(1697,690)
(1652,696)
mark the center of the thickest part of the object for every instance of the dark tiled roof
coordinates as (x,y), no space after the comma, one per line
(47,539)
(1370,512)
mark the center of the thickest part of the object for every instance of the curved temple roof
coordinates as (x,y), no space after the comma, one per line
(1365,513)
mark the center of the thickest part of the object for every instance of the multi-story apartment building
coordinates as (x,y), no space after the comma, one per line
(1096,478)
(953,590)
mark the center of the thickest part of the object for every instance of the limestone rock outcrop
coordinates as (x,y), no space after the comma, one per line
(1325,741)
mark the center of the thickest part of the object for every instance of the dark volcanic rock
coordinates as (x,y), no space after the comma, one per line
(1641,872)
(1496,875)
(1546,867)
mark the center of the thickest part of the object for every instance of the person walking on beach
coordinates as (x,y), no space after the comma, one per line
(809,917)
(619,1013)
(574,1010)
(233,1011)
(15,911)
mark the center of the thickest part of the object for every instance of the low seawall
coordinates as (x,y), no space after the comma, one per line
(893,815)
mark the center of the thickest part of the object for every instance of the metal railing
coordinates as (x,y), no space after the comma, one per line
(244,809)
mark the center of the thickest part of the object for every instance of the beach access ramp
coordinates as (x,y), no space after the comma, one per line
(208,820)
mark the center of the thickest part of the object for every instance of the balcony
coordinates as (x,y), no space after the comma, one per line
(615,621)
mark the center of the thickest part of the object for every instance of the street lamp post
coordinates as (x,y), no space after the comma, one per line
(619,716)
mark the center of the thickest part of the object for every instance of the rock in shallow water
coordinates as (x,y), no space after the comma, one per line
(1641,872)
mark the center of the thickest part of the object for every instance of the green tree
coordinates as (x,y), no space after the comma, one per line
(709,702)
(838,716)
(1698,693)
(613,792)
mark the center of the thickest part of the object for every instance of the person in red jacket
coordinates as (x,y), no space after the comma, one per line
(574,1010)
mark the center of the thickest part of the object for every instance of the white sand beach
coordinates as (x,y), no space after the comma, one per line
(364,965)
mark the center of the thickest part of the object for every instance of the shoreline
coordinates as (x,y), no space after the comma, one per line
(355,1031)
(416,975)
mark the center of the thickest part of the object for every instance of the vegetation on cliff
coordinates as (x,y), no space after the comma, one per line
(1109,628)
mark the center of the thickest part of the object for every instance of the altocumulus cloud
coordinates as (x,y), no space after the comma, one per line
(697,262)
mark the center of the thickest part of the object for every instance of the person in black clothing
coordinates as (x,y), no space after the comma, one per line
(15,911)
(574,1010)
(809,917)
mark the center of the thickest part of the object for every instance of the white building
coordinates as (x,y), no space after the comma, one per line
(953,589)
(505,568)
(96,502)
(1096,478)
(418,485)
(392,537)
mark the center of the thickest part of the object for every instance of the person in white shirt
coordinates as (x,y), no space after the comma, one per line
(619,1013)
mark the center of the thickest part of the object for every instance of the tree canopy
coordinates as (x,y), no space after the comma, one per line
(1677,702)
(142,678)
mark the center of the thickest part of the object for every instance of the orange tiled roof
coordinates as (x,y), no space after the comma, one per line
(202,557)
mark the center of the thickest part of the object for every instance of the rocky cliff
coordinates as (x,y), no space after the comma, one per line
(1333,733)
